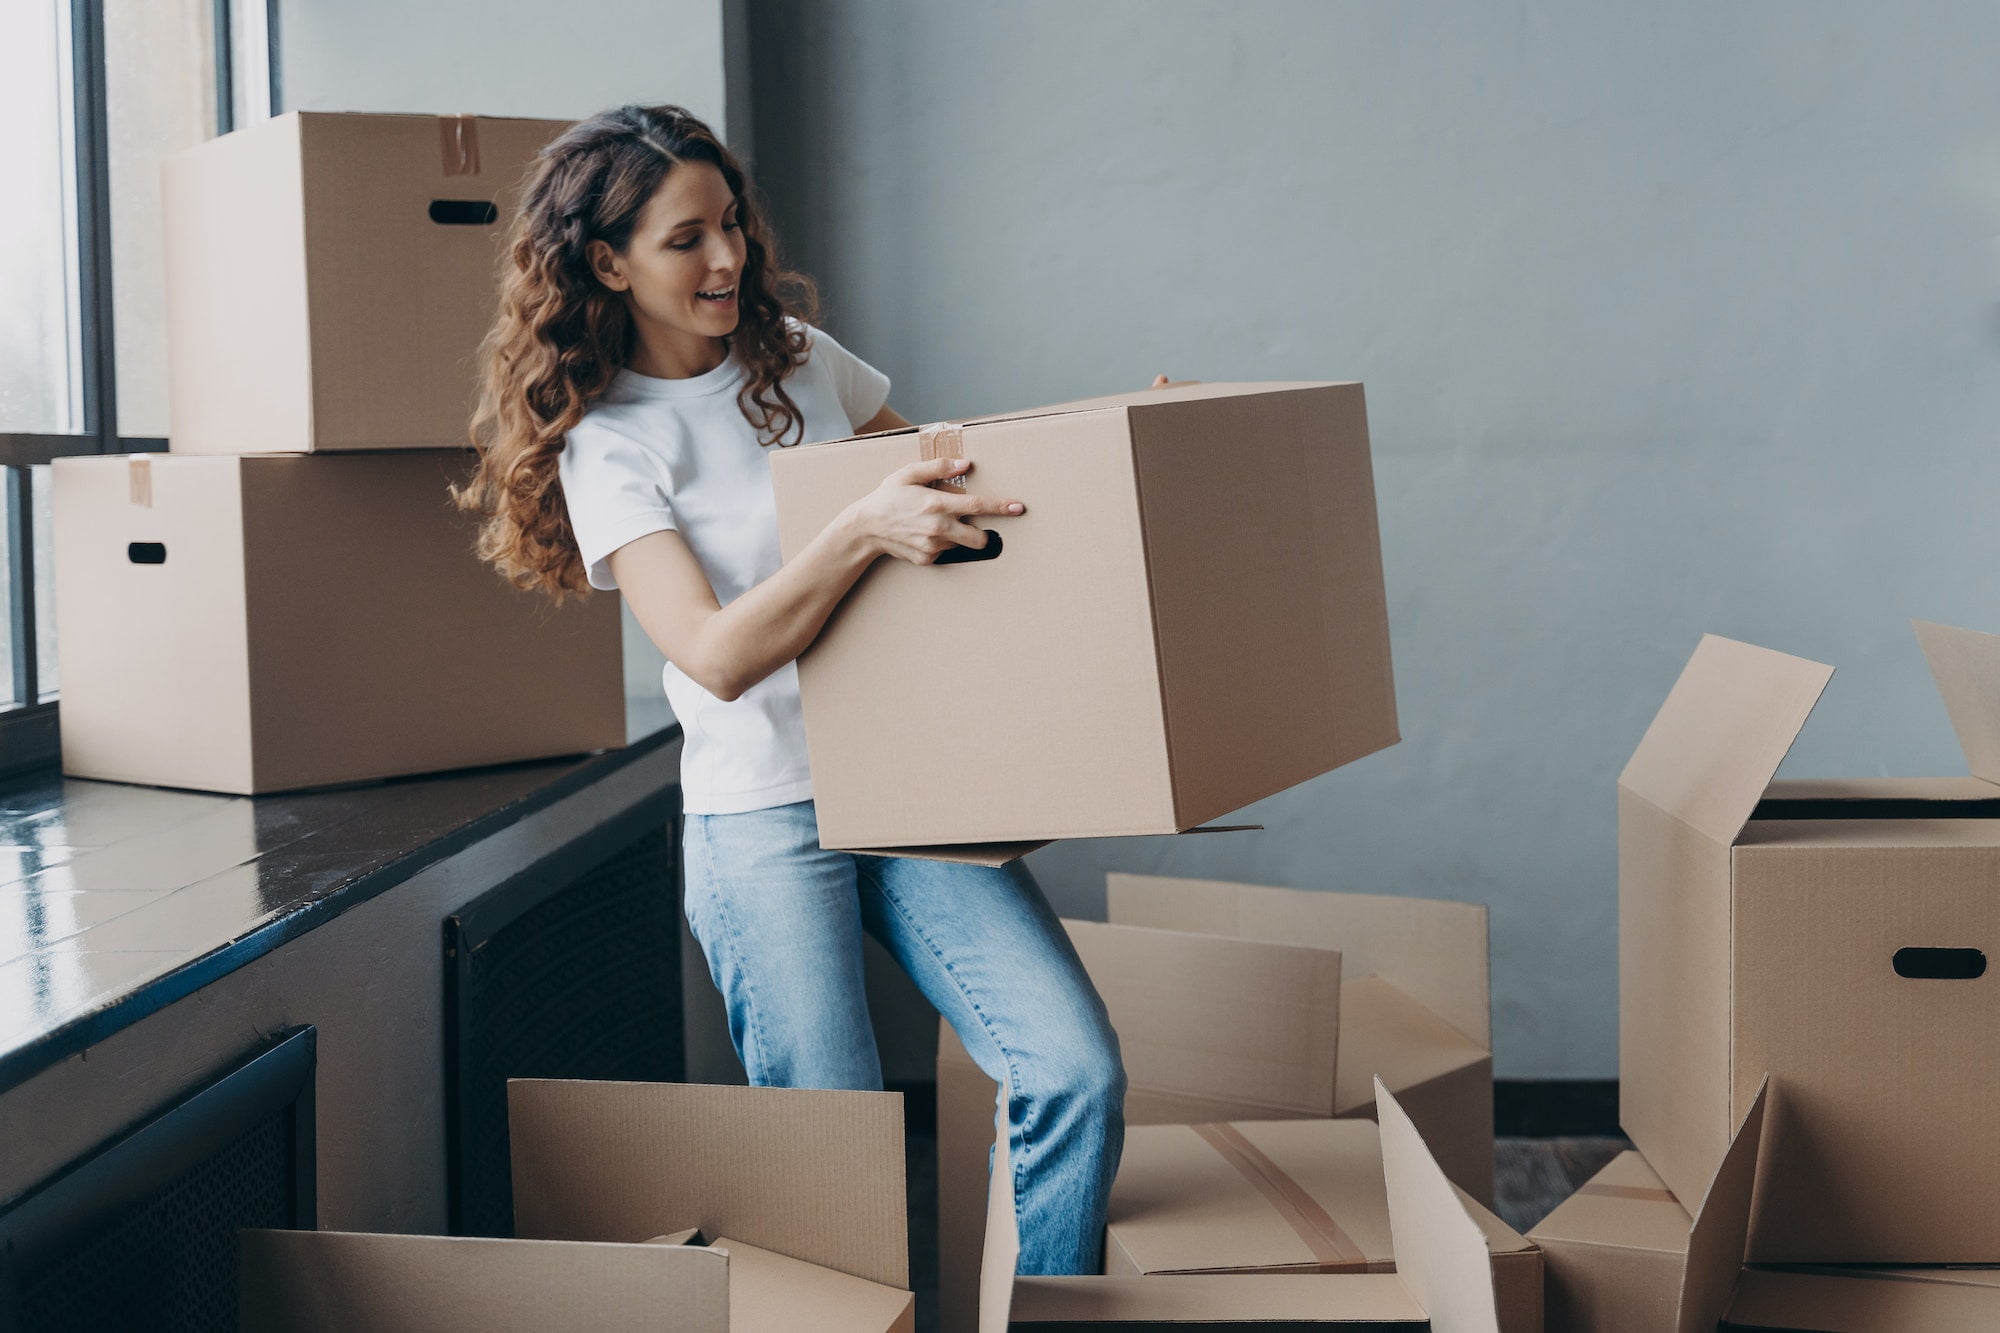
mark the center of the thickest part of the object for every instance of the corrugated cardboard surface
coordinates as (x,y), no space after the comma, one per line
(1103,612)
(323,617)
(1177,1001)
(1180,1205)
(1066,702)
(385,305)
(1431,1054)
(338,1282)
(1887,1300)
(773,1293)
(814,1175)
(155,686)
(1433,950)
(1882,1146)
(1441,1252)
(239,361)
(1268,597)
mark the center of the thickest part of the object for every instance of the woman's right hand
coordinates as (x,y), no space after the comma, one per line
(910,519)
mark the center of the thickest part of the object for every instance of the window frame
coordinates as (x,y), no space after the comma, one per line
(29,724)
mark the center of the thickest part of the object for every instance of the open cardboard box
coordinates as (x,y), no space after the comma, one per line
(1280,1197)
(329,277)
(1623,1256)
(1443,1280)
(1835,934)
(1197,976)
(1210,1029)
(1190,617)
(812,1183)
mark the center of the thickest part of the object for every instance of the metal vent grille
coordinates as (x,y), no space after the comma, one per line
(557,978)
(141,1234)
(169,1262)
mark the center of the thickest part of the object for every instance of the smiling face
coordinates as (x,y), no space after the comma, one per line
(679,272)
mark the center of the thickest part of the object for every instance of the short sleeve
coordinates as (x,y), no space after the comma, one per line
(862,388)
(615,494)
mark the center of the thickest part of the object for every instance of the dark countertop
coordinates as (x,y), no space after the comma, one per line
(117,900)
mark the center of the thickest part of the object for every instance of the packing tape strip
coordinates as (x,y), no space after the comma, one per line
(139,479)
(1643,1192)
(458,145)
(1332,1250)
(942,439)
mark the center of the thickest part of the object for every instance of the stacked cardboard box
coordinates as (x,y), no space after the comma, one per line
(1833,935)
(616,1185)
(1220,1020)
(301,606)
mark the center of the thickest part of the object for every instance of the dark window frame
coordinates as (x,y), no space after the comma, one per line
(29,724)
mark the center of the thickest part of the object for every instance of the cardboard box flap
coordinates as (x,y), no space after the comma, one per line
(1966,666)
(1861,1300)
(1001,1253)
(1433,950)
(774,1293)
(810,1174)
(1441,1253)
(1388,1035)
(1624,1206)
(1235,1020)
(1179,393)
(337,1281)
(1302,1195)
(1721,1229)
(1720,736)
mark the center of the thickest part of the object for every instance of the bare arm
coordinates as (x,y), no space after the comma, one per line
(726,650)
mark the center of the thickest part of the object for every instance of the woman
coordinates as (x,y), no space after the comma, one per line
(646,356)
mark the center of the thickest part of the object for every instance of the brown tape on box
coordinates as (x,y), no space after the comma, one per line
(1332,1250)
(1641,1192)
(458,145)
(139,480)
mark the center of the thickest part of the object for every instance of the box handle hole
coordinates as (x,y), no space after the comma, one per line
(965,555)
(147,553)
(1940,964)
(464,212)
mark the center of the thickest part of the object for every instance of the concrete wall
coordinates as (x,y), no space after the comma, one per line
(1673,319)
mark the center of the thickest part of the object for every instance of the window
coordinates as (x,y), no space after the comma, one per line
(93,92)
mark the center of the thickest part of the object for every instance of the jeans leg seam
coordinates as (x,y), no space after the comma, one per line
(752,1055)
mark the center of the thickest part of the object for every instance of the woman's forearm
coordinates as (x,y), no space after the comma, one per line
(778,619)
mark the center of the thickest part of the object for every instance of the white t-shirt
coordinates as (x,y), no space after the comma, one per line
(656,454)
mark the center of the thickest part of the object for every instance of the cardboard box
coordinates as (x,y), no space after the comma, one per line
(1190,618)
(252,625)
(1444,1278)
(601,1171)
(1414,995)
(1280,1197)
(1617,1254)
(330,277)
(1210,1029)
(1840,944)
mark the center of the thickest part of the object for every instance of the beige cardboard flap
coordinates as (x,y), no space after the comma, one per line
(1966,666)
(1722,733)
(336,1282)
(1868,1300)
(1441,1252)
(1432,950)
(1722,1226)
(1229,1020)
(1002,1252)
(774,1293)
(1223,1302)
(814,1175)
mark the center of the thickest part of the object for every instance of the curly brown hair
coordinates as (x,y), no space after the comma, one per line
(561,335)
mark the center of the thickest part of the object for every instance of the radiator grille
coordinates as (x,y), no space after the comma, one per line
(580,981)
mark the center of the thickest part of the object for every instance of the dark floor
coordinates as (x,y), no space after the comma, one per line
(1531,1176)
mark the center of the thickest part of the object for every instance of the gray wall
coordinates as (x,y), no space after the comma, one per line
(1673,319)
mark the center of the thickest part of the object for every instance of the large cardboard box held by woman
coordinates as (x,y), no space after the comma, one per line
(1188,618)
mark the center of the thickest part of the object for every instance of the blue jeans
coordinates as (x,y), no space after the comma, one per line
(780,920)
